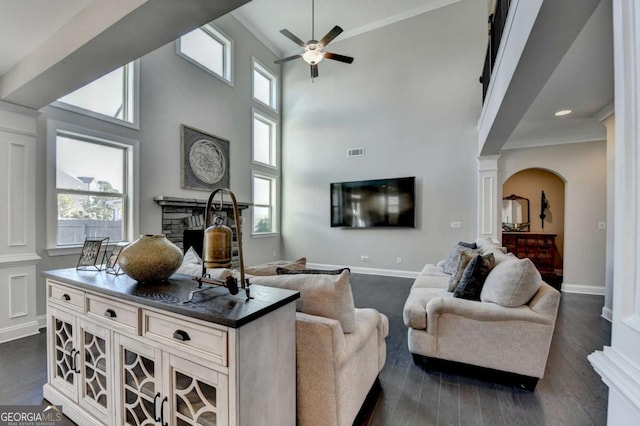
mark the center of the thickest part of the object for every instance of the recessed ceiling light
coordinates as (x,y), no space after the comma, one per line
(563,112)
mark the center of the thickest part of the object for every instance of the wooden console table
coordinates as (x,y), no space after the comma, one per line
(123,353)
(540,248)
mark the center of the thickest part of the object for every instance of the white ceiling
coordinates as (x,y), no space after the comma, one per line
(583,81)
(267,17)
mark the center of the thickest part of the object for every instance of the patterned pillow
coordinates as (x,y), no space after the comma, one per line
(451,265)
(465,258)
(285,271)
(474,276)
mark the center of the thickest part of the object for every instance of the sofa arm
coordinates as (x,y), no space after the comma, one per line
(479,311)
(546,301)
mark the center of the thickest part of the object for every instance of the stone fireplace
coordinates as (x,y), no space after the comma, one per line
(183,220)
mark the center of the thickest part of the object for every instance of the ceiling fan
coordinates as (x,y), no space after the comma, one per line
(313,49)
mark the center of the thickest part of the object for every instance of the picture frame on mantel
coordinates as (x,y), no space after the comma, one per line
(204,160)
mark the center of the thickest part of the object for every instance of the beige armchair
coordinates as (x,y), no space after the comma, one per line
(340,349)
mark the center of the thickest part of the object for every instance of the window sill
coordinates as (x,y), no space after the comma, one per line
(265,235)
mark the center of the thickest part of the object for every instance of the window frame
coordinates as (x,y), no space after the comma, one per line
(133,69)
(274,197)
(273,140)
(257,66)
(228,48)
(131,151)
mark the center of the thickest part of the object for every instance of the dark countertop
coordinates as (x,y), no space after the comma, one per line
(215,305)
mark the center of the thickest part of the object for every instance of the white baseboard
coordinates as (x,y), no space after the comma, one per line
(19,331)
(582,289)
(368,271)
(607,314)
(42,321)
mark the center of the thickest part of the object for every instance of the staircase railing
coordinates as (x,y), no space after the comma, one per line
(497,21)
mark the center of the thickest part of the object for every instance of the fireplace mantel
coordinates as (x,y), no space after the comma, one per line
(164,200)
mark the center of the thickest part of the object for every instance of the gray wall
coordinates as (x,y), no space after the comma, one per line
(174,92)
(411,99)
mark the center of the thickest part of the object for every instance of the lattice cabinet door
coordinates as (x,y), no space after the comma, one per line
(198,396)
(138,383)
(95,367)
(64,358)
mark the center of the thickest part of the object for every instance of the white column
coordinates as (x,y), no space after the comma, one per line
(619,364)
(18,256)
(489,195)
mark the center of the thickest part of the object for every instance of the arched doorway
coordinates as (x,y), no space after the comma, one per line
(531,184)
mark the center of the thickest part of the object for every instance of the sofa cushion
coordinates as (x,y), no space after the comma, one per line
(465,258)
(323,295)
(488,244)
(511,283)
(468,245)
(431,276)
(270,268)
(474,276)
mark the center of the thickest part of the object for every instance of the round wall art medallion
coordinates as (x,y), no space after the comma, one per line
(207,161)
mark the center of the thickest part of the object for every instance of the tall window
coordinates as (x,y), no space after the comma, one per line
(92,187)
(264,85)
(209,49)
(112,97)
(264,140)
(264,204)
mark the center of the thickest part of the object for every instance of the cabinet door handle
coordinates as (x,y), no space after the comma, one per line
(73,359)
(155,408)
(162,412)
(110,313)
(75,364)
(181,335)
(66,297)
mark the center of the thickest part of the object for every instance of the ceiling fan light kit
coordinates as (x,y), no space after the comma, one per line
(313,49)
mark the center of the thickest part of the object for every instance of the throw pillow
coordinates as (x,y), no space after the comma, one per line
(511,283)
(270,268)
(474,276)
(468,245)
(191,263)
(465,258)
(451,265)
(327,296)
(285,271)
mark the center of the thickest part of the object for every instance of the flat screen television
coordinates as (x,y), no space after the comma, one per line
(374,203)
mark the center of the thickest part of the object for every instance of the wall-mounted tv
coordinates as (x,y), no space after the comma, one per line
(374,203)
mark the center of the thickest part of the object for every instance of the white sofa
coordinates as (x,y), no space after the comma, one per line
(340,349)
(483,333)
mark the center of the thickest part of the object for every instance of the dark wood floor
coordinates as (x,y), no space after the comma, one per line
(571,393)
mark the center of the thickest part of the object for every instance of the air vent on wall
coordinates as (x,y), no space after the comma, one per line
(355,152)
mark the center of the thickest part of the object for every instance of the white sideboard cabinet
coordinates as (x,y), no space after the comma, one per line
(123,353)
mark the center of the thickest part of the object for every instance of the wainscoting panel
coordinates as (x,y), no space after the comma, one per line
(18,296)
(17,195)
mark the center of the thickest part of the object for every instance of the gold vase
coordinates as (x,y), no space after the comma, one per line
(150,258)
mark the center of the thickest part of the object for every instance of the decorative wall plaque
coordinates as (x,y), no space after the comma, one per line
(205,160)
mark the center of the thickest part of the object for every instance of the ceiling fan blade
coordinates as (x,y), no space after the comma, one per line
(336,57)
(314,71)
(287,59)
(288,34)
(335,32)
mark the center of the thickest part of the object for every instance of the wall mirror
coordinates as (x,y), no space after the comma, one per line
(515,213)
